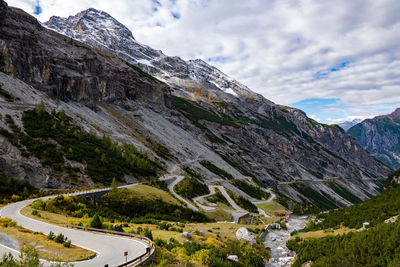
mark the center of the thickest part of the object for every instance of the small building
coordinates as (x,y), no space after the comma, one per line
(282,213)
(365,224)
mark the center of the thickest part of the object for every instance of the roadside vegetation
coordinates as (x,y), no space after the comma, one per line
(13,190)
(54,248)
(251,190)
(218,197)
(28,257)
(122,205)
(128,211)
(190,188)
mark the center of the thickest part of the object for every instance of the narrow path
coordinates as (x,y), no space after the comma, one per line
(109,249)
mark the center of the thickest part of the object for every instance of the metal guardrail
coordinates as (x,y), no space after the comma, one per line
(149,252)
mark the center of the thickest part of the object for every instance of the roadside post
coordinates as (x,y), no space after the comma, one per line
(126,256)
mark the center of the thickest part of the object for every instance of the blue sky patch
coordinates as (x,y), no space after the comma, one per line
(219,59)
(323,109)
(324,73)
(37,9)
(176,15)
(157,3)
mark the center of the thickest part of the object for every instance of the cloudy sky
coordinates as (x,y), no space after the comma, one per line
(336,60)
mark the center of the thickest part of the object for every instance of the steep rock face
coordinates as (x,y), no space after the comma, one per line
(381,137)
(228,125)
(66,69)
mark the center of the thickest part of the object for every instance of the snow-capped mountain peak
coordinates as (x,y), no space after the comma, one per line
(99,29)
(346,125)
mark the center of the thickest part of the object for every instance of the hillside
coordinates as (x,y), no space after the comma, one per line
(381,137)
(376,244)
(187,115)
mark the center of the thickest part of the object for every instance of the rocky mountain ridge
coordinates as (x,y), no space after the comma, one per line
(381,137)
(99,29)
(192,114)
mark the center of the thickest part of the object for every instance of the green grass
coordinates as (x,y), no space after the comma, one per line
(219,215)
(149,192)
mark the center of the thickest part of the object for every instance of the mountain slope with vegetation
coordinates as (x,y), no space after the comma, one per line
(381,137)
(374,244)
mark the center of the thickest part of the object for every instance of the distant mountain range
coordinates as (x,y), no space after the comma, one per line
(346,125)
(381,137)
(182,113)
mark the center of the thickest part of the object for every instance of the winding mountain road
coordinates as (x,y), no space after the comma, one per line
(109,249)
(201,199)
(272,197)
(229,199)
(178,179)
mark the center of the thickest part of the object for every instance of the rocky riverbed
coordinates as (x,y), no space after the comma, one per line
(276,240)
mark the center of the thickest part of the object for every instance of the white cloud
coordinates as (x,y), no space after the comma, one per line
(275,47)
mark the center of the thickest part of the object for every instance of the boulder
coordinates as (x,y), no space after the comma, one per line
(187,235)
(244,233)
(233,258)
(201,233)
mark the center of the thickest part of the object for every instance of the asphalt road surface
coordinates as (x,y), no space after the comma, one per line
(109,249)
